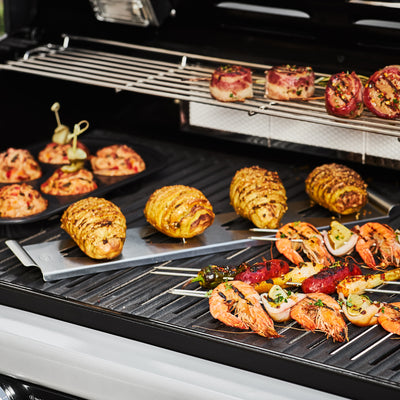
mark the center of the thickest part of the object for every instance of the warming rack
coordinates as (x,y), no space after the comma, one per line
(177,75)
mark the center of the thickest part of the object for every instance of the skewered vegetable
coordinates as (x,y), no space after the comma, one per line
(358,283)
(296,275)
(359,309)
(211,276)
(278,302)
(326,280)
(262,271)
(339,240)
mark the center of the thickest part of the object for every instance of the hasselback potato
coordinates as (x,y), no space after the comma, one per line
(258,195)
(179,211)
(337,188)
(97,226)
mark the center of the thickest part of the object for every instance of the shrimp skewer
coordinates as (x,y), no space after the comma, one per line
(319,311)
(374,237)
(312,243)
(389,317)
(237,304)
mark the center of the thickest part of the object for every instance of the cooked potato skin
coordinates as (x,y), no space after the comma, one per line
(258,195)
(97,226)
(179,211)
(338,188)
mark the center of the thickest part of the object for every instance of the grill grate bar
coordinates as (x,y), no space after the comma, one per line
(178,80)
(361,354)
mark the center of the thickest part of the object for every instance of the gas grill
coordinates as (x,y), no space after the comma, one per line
(137,71)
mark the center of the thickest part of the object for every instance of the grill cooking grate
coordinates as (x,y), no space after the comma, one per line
(370,355)
(175,75)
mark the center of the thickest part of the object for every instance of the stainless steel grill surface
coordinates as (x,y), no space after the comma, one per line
(137,302)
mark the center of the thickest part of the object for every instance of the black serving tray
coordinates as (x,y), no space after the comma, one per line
(153,159)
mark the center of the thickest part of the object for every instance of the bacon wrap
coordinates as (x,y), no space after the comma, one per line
(327,279)
(289,82)
(231,83)
(262,271)
(382,92)
(344,95)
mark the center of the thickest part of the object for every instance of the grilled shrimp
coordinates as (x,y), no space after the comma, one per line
(389,317)
(319,311)
(312,243)
(237,304)
(374,236)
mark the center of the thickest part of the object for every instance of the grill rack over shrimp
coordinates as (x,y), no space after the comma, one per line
(237,304)
(312,243)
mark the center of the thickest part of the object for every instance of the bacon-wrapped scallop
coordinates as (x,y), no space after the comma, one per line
(289,82)
(230,83)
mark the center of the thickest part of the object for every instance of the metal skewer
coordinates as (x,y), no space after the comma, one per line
(169,273)
(273,239)
(365,290)
(193,293)
(266,230)
(382,291)
(165,267)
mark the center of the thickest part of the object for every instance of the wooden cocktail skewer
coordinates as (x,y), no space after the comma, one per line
(76,155)
(61,132)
